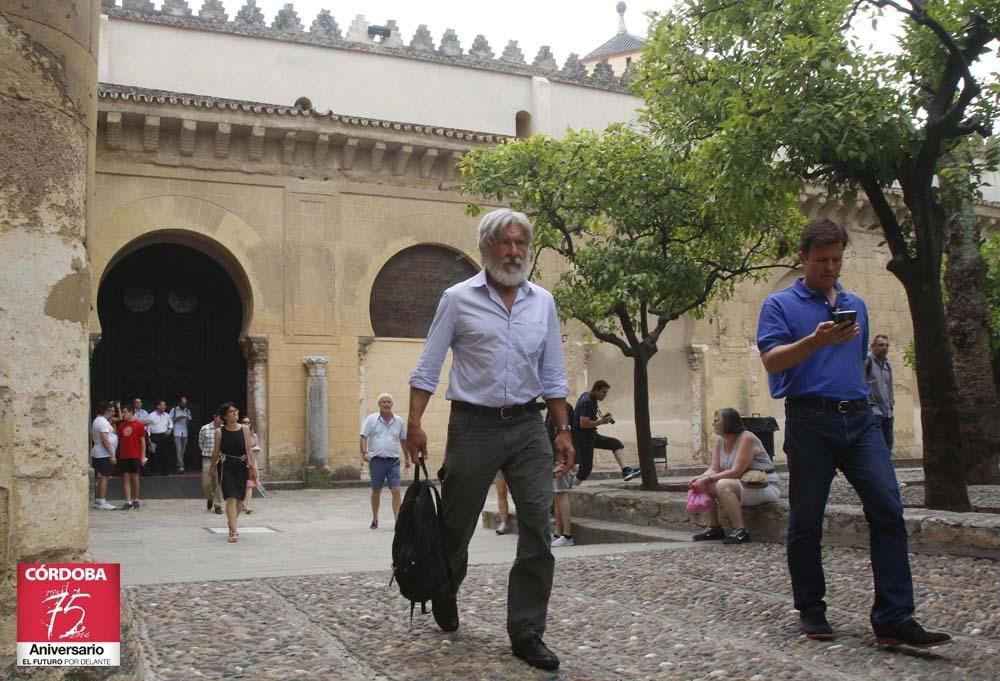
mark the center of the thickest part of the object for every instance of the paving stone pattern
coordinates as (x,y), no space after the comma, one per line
(724,613)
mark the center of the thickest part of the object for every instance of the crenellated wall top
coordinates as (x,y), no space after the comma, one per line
(362,36)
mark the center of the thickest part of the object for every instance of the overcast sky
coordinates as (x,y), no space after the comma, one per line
(564,25)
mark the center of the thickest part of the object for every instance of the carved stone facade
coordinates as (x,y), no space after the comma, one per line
(305,208)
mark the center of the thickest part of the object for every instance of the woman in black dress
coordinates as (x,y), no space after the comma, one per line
(233,463)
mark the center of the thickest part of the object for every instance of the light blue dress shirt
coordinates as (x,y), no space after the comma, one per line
(499,358)
(383,438)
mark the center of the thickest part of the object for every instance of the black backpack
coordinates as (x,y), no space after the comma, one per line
(419,560)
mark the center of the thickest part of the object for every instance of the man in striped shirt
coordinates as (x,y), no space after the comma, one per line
(209,484)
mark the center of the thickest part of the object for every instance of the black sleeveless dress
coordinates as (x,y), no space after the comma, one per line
(232,471)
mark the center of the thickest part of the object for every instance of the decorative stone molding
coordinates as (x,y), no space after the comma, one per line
(449,44)
(288,148)
(189,129)
(348,152)
(316,364)
(427,161)
(250,16)
(222,135)
(544,60)
(358,31)
(113,136)
(422,40)
(402,158)
(512,53)
(603,74)
(287,20)
(378,152)
(255,349)
(255,149)
(395,40)
(249,21)
(481,48)
(321,148)
(177,8)
(573,68)
(214,11)
(325,25)
(151,133)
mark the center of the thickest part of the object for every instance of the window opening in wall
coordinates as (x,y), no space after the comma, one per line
(522,124)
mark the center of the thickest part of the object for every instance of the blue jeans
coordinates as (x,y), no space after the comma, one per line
(886,423)
(817,443)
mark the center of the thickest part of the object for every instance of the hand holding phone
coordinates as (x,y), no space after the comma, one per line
(841,316)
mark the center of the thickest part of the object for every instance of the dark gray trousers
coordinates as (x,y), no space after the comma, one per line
(478,446)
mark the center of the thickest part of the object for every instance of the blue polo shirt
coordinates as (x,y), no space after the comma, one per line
(834,371)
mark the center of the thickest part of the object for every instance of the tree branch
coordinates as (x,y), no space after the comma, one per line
(606,337)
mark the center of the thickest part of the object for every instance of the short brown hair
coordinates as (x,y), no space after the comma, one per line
(600,384)
(821,232)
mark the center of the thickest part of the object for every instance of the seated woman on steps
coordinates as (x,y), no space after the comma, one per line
(737,451)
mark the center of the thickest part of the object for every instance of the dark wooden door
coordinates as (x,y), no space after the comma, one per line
(170,319)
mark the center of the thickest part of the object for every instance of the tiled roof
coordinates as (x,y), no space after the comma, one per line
(127,93)
(622,43)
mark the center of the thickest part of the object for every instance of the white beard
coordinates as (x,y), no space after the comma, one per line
(504,276)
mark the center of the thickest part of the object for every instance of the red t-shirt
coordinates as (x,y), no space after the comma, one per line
(131,439)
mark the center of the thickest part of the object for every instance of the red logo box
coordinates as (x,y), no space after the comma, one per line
(68,614)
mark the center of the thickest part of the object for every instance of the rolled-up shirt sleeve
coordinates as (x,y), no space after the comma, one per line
(426,375)
(552,368)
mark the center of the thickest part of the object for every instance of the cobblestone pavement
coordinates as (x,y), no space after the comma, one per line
(721,613)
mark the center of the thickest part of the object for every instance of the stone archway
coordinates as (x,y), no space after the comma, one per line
(171,319)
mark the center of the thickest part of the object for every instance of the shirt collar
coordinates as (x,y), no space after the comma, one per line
(479,281)
(804,291)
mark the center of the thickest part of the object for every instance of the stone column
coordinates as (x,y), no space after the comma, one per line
(255,351)
(317,415)
(48,123)
(696,360)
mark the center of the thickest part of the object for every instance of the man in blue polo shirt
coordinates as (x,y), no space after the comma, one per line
(817,365)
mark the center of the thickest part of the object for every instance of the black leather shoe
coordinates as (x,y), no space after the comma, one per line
(909,633)
(710,533)
(445,611)
(532,650)
(813,624)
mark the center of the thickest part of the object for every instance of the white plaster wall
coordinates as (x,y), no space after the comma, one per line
(345,81)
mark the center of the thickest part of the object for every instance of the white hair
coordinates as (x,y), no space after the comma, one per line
(495,221)
(384,396)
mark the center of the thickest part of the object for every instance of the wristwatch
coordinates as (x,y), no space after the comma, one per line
(564,427)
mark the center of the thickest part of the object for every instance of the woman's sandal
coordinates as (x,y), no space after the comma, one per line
(234,537)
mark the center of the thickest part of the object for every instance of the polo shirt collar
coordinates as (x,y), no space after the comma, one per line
(804,291)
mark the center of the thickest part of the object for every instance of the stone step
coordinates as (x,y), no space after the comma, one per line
(591,531)
(934,532)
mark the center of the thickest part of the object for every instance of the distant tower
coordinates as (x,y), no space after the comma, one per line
(620,51)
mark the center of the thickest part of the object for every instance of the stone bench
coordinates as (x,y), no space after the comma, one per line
(935,532)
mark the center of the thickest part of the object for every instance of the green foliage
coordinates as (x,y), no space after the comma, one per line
(781,89)
(990,251)
(643,240)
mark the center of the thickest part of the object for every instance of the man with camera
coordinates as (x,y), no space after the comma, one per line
(587,417)
(813,338)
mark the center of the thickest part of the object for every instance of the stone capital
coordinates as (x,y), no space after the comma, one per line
(254,349)
(316,364)
(696,357)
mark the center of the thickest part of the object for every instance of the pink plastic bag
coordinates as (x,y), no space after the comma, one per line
(699,502)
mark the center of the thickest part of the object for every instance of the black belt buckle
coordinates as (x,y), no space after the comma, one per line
(511,412)
(845,406)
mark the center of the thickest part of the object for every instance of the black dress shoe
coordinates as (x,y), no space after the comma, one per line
(445,611)
(209,507)
(532,650)
(909,633)
(813,624)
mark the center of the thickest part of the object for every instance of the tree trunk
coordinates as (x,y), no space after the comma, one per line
(969,328)
(643,438)
(944,467)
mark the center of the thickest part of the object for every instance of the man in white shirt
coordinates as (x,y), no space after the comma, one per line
(103,453)
(180,415)
(209,483)
(381,436)
(159,429)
